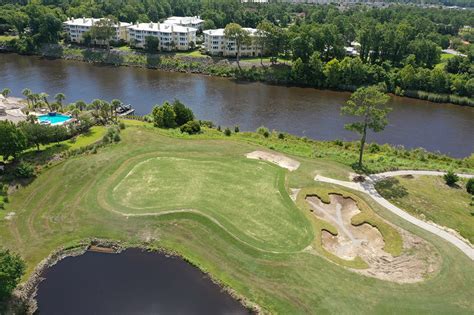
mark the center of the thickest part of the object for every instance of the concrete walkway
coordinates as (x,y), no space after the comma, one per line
(368,188)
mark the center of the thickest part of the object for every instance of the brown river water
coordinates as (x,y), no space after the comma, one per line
(302,111)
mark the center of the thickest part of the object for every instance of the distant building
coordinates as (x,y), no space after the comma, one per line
(75,29)
(216,43)
(188,21)
(171,36)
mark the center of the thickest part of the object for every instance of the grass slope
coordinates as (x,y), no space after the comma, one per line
(430,198)
(71,200)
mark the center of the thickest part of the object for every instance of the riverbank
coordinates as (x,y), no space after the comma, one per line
(251,69)
(24,297)
(300,111)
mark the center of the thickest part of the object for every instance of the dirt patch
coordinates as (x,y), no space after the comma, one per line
(417,261)
(275,158)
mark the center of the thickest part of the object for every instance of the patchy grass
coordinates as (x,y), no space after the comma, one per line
(445,57)
(429,198)
(194,53)
(5,38)
(94,135)
(69,202)
(46,152)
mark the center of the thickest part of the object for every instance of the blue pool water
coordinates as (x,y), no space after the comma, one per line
(54,119)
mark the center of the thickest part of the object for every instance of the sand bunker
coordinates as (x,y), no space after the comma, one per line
(417,261)
(278,159)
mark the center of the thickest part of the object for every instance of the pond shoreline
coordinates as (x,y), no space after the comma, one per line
(24,297)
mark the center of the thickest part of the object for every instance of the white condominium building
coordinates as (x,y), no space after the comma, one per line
(188,21)
(171,37)
(75,29)
(216,43)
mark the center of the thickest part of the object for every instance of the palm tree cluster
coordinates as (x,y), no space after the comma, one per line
(41,100)
(102,111)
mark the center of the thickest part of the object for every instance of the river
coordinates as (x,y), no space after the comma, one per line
(132,282)
(302,111)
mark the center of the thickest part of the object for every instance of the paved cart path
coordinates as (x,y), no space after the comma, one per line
(368,188)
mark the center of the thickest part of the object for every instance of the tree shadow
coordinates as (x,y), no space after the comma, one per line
(391,188)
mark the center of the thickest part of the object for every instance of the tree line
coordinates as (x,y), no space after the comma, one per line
(399,46)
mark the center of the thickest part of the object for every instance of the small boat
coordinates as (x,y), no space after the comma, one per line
(125,110)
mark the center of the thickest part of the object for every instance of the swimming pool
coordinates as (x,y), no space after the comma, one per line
(53,119)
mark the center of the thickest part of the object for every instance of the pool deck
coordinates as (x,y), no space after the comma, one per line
(10,109)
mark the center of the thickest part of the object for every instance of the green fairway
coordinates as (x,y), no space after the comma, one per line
(230,216)
(430,198)
(246,196)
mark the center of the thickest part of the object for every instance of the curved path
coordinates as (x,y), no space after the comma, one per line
(368,188)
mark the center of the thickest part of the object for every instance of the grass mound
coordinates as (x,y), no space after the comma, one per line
(247,197)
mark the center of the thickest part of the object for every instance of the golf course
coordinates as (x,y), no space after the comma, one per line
(246,222)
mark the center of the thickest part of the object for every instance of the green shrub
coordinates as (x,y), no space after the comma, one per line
(281,136)
(227,132)
(191,127)
(451,178)
(219,128)
(263,130)
(338,142)
(236,129)
(116,137)
(183,114)
(112,135)
(206,123)
(164,116)
(470,186)
(374,147)
(122,125)
(25,170)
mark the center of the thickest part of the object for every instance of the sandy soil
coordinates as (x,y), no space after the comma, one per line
(417,261)
(275,158)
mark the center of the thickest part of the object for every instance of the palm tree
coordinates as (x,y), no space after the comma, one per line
(43,96)
(27,93)
(75,113)
(34,99)
(60,97)
(5,92)
(31,119)
(96,105)
(114,105)
(105,110)
(81,105)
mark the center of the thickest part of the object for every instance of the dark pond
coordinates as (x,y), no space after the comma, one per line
(132,282)
(302,111)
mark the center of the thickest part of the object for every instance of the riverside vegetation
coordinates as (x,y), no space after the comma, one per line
(258,247)
(399,46)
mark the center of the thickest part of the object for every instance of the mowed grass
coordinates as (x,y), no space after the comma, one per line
(248,197)
(429,198)
(70,202)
